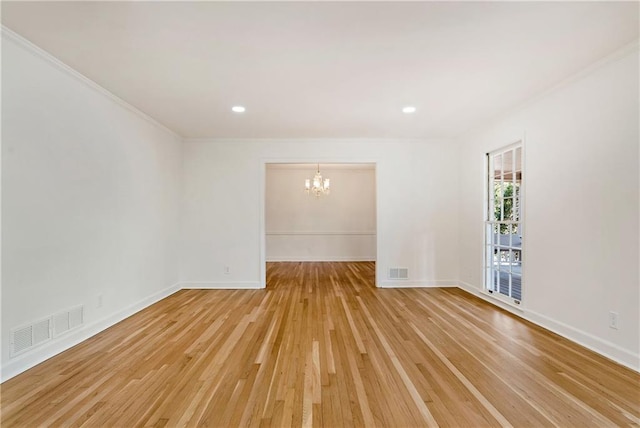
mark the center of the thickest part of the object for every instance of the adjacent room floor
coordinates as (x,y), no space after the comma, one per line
(322,346)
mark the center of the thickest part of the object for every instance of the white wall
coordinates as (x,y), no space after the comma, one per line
(90,202)
(581,215)
(334,227)
(224,180)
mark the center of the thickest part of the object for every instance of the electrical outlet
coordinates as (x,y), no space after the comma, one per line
(613,320)
(227,270)
(99,301)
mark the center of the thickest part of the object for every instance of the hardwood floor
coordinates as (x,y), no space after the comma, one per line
(321,346)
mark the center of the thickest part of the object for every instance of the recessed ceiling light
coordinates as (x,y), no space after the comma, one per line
(238,109)
(408,109)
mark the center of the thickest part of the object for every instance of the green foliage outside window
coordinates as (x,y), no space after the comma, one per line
(503,200)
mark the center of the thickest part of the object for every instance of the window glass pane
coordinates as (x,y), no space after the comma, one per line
(504,283)
(508,166)
(507,204)
(497,166)
(504,201)
(511,260)
(516,286)
(516,239)
(516,202)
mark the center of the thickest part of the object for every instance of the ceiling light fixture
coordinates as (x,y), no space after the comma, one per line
(408,109)
(238,109)
(318,186)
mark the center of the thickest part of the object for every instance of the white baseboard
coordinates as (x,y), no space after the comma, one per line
(17,365)
(221,285)
(401,283)
(603,347)
(321,259)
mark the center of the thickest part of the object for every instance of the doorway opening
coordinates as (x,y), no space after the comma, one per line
(303,226)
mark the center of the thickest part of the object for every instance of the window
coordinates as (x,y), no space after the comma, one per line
(503,223)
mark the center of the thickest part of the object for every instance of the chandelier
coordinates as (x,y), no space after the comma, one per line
(318,185)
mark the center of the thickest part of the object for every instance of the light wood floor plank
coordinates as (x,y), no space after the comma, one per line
(321,346)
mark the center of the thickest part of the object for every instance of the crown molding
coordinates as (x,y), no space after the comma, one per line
(626,50)
(8,34)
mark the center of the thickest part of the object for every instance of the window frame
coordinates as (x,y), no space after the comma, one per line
(491,241)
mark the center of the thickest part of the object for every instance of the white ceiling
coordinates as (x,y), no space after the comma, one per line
(325,69)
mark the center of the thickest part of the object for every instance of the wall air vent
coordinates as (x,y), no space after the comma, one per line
(60,323)
(75,317)
(41,331)
(21,339)
(67,320)
(24,338)
(28,336)
(398,273)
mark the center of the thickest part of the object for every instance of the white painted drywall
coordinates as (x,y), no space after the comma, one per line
(223,206)
(90,198)
(334,227)
(581,215)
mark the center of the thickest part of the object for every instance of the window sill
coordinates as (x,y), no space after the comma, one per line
(507,301)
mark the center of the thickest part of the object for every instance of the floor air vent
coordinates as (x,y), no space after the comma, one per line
(398,273)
